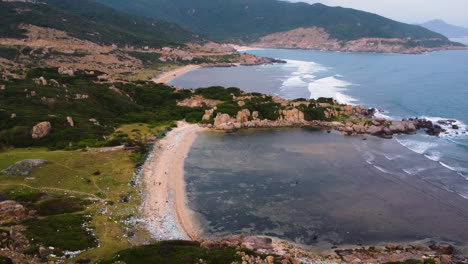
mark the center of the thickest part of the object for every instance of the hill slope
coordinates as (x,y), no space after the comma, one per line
(225,20)
(448,30)
(91,21)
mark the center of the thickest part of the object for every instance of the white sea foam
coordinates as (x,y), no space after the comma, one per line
(302,73)
(433,155)
(382,169)
(419,147)
(450,131)
(414,171)
(331,87)
(392,157)
(379,114)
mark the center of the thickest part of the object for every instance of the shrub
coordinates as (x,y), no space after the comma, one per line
(175,252)
(54,206)
(65,232)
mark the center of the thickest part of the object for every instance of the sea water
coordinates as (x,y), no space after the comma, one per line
(433,86)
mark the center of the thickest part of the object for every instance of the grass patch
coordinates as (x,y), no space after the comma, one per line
(175,252)
(72,173)
(9,53)
(65,232)
(55,206)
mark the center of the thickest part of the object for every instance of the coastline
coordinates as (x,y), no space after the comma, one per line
(166,212)
(170,75)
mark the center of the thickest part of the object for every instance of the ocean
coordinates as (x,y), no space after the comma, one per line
(433,86)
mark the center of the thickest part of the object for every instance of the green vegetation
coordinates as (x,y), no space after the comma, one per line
(65,232)
(92,21)
(233,19)
(5,260)
(74,179)
(63,205)
(218,93)
(175,252)
(31,103)
(9,53)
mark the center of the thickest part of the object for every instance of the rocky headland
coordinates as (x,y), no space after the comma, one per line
(316,38)
(348,119)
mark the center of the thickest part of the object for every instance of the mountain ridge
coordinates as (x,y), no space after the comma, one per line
(234,18)
(448,30)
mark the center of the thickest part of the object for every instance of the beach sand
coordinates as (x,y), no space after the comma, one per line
(165,207)
(168,76)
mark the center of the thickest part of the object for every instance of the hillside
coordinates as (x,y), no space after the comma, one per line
(445,29)
(247,20)
(91,21)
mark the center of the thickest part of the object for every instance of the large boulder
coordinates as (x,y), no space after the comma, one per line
(12,212)
(70,121)
(41,130)
(222,119)
(24,167)
(442,248)
(293,115)
(243,116)
(375,130)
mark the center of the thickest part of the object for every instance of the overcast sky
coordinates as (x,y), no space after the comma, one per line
(409,11)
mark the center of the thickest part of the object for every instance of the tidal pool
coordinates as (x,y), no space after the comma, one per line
(309,187)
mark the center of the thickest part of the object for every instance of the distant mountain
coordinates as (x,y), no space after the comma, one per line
(247,20)
(92,21)
(445,29)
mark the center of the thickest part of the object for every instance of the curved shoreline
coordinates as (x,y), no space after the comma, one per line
(170,75)
(165,206)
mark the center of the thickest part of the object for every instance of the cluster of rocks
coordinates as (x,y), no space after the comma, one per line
(360,120)
(438,252)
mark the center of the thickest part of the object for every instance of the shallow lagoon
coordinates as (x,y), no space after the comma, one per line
(310,186)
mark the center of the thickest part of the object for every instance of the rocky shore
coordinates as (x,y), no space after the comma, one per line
(359,120)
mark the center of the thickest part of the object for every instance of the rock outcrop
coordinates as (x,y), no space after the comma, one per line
(12,212)
(24,167)
(41,130)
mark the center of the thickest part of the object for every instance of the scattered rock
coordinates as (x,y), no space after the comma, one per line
(70,121)
(24,167)
(12,212)
(442,248)
(40,81)
(43,252)
(41,130)
(68,72)
(3,87)
(94,121)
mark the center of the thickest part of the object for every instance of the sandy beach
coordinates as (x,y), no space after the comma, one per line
(165,208)
(168,76)
(244,48)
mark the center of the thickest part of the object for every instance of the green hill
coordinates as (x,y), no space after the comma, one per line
(92,21)
(224,20)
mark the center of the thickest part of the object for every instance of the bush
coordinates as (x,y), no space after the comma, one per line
(231,108)
(54,206)
(194,117)
(5,260)
(218,93)
(65,232)
(174,252)
(312,112)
